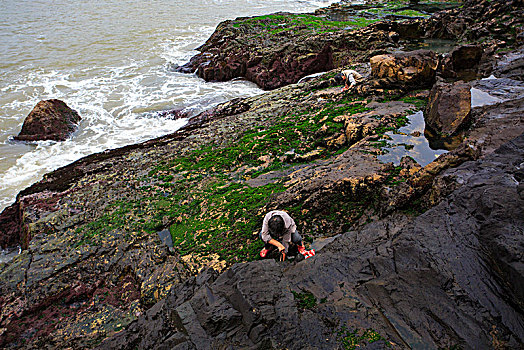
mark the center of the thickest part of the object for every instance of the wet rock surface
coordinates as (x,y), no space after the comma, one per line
(511,66)
(49,120)
(501,88)
(460,263)
(488,129)
(449,107)
(96,256)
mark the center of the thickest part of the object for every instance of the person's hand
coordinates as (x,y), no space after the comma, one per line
(282,256)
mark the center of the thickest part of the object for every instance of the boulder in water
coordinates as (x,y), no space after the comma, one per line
(49,120)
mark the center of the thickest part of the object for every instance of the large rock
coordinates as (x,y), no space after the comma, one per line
(462,62)
(466,57)
(415,69)
(49,120)
(279,49)
(452,277)
(449,107)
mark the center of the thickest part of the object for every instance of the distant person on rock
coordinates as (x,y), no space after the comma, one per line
(279,231)
(350,77)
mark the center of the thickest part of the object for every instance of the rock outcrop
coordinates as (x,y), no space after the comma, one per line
(449,108)
(410,70)
(276,50)
(425,257)
(49,120)
(452,277)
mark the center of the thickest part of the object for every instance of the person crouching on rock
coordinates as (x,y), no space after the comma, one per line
(350,77)
(279,231)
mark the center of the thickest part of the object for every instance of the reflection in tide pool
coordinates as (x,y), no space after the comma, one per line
(437,45)
(410,141)
(481,98)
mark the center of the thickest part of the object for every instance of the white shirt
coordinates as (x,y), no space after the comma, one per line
(351,76)
(289,226)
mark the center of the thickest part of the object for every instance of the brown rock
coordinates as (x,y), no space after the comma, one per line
(413,69)
(462,63)
(449,107)
(466,57)
(49,120)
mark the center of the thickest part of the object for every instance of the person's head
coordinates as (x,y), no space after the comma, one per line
(276,225)
(339,78)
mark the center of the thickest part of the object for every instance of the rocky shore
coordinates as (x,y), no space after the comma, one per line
(155,245)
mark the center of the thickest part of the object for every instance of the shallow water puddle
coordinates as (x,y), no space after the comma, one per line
(410,141)
(481,98)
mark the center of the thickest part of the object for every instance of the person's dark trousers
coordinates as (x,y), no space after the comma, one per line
(296,238)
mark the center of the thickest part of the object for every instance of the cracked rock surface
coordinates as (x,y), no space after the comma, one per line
(452,276)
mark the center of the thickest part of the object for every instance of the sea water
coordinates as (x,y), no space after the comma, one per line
(112,61)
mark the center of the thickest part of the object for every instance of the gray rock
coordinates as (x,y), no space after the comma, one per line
(453,276)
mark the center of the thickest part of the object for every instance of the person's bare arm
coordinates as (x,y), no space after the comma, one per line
(277,244)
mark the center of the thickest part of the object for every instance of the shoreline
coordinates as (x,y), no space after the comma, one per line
(110,122)
(92,255)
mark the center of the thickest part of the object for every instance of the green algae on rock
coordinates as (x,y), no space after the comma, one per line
(89,230)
